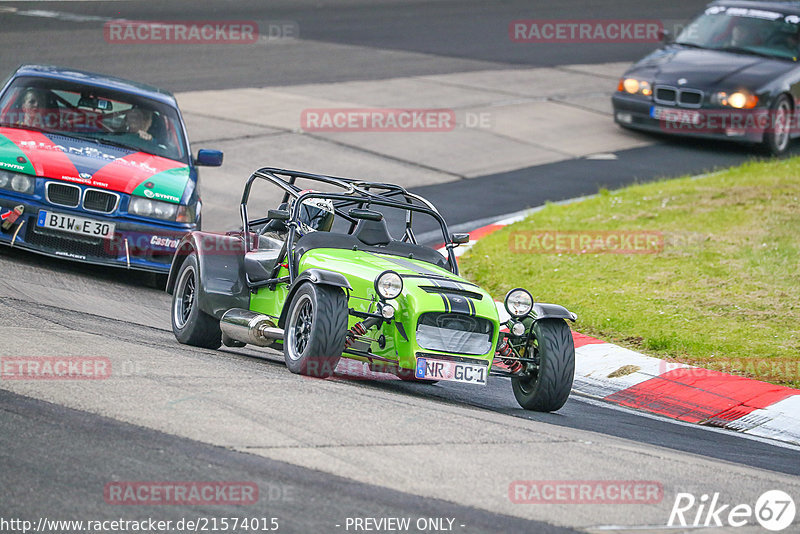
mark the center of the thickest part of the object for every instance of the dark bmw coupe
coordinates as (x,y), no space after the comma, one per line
(732,73)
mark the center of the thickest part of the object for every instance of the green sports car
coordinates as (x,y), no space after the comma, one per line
(322,277)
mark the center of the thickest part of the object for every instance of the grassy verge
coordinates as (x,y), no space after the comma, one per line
(719,286)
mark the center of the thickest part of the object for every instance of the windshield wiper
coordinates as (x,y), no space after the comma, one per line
(690,45)
(748,51)
(103,141)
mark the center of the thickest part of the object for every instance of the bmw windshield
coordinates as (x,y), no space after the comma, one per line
(94,114)
(746,31)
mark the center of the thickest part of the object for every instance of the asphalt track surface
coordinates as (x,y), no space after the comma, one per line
(56,456)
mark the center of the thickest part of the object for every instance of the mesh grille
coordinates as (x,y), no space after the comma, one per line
(456,333)
(77,245)
(691,98)
(63,194)
(99,201)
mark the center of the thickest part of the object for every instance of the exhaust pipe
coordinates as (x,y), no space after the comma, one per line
(240,327)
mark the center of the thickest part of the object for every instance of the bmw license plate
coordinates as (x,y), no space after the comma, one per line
(469,373)
(75,225)
(680,116)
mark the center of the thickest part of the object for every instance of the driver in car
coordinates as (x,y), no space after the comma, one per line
(139,121)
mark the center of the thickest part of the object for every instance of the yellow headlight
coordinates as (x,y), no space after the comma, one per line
(631,85)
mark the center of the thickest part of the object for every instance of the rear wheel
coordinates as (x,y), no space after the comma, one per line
(777,136)
(315,330)
(190,324)
(547,389)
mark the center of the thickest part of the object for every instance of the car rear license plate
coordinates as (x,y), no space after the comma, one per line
(469,373)
(681,116)
(75,225)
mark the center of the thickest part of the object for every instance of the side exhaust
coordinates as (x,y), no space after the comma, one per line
(240,327)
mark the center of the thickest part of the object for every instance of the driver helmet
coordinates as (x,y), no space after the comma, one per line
(316,214)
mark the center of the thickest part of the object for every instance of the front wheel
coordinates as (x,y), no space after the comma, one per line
(190,324)
(547,389)
(315,330)
(776,138)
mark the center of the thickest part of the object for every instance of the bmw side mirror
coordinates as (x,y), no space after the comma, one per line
(278,215)
(665,35)
(209,158)
(460,239)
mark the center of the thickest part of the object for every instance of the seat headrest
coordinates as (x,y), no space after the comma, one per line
(373,232)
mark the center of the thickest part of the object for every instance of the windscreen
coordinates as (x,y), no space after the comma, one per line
(745,30)
(96,114)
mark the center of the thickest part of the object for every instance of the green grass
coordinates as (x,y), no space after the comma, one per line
(723,293)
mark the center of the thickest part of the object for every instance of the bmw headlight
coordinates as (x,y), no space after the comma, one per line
(518,303)
(389,285)
(634,86)
(19,183)
(144,207)
(742,99)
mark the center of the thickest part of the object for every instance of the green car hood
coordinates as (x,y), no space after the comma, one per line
(426,287)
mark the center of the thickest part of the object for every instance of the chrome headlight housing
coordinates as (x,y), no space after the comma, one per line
(635,86)
(166,211)
(17,182)
(388,285)
(518,303)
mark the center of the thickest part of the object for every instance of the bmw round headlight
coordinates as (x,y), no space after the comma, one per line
(634,86)
(518,302)
(389,285)
(5,178)
(23,184)
(163,210)
(141,206)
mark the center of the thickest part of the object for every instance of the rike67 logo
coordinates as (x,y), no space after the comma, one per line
(774,510)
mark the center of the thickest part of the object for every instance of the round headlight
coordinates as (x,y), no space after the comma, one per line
(22,184)
(737,100)
(518,329)
(388,284)
(631,85)
(162,210)
(518,302)
(387,310)
(4,179)
(141,207)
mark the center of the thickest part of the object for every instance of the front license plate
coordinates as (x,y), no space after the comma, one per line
(681,116)
(75,225)
(468,373)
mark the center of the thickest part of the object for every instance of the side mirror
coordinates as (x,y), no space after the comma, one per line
(278,215)
(209,158)
(459,239)
(665,35)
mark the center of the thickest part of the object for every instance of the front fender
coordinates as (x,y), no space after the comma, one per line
(222,284)
(542,310)
(313,276)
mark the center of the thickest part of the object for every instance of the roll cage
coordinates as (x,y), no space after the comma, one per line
(353,194)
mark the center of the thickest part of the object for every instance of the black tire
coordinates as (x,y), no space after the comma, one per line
(315,330)
(550,388)
(190,324)
(778,134)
